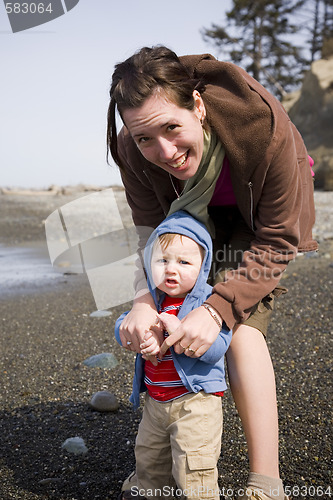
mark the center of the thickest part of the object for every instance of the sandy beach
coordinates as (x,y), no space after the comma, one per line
(47,331)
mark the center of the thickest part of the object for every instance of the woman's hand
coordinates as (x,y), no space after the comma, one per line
(194,334)
(142,318)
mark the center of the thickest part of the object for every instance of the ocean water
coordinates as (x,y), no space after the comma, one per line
(25,269)
(28,269)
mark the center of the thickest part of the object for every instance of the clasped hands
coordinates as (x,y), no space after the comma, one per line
(154,345)
(193,335)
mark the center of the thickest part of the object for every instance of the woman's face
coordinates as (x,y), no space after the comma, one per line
(167,135)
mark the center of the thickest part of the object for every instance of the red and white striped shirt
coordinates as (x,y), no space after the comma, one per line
(162,381)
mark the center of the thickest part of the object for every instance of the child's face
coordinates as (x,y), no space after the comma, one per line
(175,269)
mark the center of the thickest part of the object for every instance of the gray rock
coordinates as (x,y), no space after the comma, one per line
(103,360)
(311,110)
(104,401)
(75,445)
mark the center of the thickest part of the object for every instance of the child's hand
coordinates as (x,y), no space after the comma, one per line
(152,359)
(150,346)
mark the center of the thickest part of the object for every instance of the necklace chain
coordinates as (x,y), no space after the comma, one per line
(175,189)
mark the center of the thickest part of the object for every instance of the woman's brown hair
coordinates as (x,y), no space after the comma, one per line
(135,80)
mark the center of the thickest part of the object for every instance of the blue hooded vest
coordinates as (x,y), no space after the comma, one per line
(197,374)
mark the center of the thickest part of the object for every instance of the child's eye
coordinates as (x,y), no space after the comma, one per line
(161,261)
(184,262)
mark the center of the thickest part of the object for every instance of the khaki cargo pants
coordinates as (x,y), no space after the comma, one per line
(178,446)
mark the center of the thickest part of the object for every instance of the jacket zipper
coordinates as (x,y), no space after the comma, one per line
(147,177)
(250,185)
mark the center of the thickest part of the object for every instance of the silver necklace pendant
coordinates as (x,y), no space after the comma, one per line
(175,189)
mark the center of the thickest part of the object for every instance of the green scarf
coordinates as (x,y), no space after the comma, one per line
(199,189)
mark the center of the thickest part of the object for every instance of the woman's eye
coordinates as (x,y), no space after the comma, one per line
(142,140)
(172,127)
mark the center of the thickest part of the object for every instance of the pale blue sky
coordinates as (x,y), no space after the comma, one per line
(55,80)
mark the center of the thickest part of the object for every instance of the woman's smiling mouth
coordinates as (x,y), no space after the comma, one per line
(180,162)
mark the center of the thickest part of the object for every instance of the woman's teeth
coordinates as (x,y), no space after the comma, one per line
(180,162)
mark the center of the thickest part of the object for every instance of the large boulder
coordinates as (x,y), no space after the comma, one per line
(311,110)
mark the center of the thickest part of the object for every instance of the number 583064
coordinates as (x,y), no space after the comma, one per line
(28,8)
(308,491)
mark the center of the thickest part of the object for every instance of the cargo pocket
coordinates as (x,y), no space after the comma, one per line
(279,290)
(267,303)
(201,476)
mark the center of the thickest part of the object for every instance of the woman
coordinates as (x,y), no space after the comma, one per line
(204,136)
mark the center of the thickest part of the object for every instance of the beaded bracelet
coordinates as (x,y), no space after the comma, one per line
(214,314)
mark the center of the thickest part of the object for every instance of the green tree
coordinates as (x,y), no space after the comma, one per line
(258,35)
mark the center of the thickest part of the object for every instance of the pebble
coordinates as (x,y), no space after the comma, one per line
(75,445)
(104,401)
(100,314)
(103,360)
(49,480)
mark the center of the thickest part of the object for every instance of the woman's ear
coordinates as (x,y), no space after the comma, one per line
(199,106)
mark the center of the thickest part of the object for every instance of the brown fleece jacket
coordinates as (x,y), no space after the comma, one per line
(270,175)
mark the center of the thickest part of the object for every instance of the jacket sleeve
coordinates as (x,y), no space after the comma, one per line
(117,326)
(218,349)
(276,231)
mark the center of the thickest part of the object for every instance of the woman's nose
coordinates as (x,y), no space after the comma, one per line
(166,150)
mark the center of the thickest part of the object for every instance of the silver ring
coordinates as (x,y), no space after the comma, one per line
(129,342)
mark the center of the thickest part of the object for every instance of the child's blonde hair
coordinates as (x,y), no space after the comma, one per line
(165,239)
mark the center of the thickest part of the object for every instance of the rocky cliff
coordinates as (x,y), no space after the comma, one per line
(311,109)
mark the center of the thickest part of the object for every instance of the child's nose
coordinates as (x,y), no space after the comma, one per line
(170,267)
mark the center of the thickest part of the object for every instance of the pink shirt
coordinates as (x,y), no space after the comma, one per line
(223,193)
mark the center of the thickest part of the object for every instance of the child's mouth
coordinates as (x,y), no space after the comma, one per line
(171,282)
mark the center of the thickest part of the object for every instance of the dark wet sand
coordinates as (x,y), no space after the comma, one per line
(46,333)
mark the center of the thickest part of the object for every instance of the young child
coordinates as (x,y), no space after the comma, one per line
(179,437)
